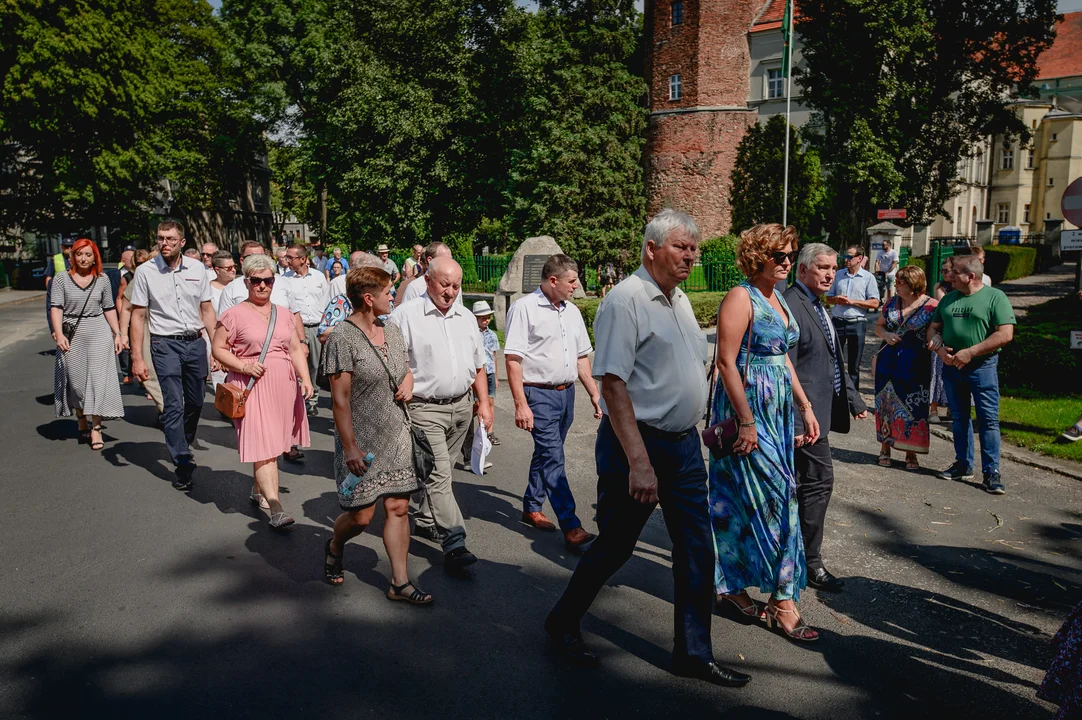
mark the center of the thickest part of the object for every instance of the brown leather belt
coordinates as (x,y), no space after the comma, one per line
(549,387)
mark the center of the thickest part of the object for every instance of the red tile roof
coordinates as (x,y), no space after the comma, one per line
(1064,58)
(772,16)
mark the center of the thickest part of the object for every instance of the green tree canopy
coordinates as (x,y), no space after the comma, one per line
(758,179)
(902,89)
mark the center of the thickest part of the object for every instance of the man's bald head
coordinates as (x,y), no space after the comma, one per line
(360,259)
(444,280)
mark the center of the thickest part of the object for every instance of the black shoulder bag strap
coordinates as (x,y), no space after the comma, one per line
(82,313)
(747,358)
(266,346)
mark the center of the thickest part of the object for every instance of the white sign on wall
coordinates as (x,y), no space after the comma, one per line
(1070,240)
(1076,339)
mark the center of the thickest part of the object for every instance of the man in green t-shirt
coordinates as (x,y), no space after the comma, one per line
(969,327)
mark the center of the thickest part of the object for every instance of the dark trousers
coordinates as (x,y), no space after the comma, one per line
(681,474)
(815,484)
(125,362)
(851,340)
(553,412)
(181,366)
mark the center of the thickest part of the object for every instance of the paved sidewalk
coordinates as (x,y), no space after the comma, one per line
(11,297)
(1036,289)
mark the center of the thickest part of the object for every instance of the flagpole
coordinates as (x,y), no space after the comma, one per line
(788,52)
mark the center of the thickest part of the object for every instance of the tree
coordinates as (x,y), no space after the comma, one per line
(101,100)
(758,179)
(902,89)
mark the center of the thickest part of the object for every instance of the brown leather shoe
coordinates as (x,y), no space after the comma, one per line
(538,520)
(578,539)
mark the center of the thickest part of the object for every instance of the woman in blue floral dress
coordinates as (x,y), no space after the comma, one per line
(753,501)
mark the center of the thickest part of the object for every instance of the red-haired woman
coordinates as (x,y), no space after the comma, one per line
(87,339)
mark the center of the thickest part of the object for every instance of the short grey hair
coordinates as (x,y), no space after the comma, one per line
(811,251)
(255,263)
(664,223)
(360,259)
(969,264)
(557,266)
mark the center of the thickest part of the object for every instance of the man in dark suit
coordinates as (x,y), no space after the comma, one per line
(818,361)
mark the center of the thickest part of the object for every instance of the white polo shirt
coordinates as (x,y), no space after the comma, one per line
(549,339)
(171,297)
(236,292)
(445,351)
(308,294)
(338,286)
(655,346)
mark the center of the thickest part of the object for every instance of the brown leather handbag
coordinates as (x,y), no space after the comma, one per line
(229,399)
(720,438)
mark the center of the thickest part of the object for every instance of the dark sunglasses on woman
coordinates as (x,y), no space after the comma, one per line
(780,257)
(259,281)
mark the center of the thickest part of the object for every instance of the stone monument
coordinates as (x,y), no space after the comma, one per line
(523,275)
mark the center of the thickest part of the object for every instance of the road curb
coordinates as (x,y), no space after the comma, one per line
(22,301)
(1022,456)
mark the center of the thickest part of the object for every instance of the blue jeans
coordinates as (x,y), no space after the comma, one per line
(677,459)
(181,366)
(981,379)
(553,413)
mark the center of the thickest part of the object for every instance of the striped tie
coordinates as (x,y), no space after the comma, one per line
(830,339)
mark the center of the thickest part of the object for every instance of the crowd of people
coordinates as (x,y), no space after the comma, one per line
(411,376)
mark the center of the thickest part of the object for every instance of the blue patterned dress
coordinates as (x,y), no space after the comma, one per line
(753,501)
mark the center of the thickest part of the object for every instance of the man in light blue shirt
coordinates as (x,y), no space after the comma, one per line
(853,294)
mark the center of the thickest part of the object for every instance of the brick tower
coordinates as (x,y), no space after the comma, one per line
(697,64)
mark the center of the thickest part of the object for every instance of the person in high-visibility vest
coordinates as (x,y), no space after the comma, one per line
(61,262)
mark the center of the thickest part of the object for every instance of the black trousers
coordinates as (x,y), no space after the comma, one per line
(681,475)
(851,339)
(815,484)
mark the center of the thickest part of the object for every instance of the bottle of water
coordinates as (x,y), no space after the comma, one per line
(351,481)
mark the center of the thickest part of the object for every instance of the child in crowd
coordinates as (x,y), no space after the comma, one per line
(483,312)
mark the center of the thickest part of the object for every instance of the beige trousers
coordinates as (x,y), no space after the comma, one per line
(445,426)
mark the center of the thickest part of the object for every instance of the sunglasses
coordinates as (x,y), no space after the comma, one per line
(260,281)
(227,268)
(853,257)
(780,257)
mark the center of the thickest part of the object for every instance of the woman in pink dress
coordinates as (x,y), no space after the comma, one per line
(274,416)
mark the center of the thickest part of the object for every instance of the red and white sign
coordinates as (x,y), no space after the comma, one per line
(1071,204)
(891,214)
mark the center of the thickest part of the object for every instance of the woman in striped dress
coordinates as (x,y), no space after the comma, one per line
(85,380)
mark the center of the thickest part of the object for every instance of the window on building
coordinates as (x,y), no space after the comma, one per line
(1029,158)
(678,13)
(676,87)
(980,167)
(1006,159)
(1054,137)
(775,83)
(1025,213)
(1048,216)
(1051,182)
(1003,213)
(1033,124)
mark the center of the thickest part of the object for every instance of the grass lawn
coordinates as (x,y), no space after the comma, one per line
(1035,422)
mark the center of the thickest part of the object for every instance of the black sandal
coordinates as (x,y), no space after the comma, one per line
(417,597)
(97,446)
(332,570)
(294,455)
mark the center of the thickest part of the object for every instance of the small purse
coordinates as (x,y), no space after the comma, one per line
(424,459)
(720,437)
(67,328)
(229,399)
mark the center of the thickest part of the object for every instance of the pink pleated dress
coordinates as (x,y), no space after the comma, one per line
(274,416)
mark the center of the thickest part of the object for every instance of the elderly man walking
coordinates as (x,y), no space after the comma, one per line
(853,294)
(308,292)
(171,294)
(547,347)
(651,358)
(817,358)
(447,359)
(970,325)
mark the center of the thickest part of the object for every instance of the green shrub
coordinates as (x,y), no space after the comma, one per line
(920,261)
(1009,262)
(1040,357)
(703,304)
(720,246)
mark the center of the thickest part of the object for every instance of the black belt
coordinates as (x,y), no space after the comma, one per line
(183,336)
(650,430)
(439,401)
(315,324)
(543,386)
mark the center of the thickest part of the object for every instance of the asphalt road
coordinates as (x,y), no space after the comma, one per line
(121,597)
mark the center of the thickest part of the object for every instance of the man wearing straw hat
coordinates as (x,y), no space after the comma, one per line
(384,254)
(546,347)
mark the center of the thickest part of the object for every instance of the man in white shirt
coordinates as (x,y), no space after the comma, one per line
(651,358)
(547,347)
(886,268)
(171,299)
(308,292)
(447,359)
(206,254)
(283,261)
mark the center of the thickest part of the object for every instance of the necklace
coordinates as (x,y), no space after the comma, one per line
(256,308)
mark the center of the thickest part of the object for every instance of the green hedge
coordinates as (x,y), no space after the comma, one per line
(1040,358)
(703,304)
(1010,262)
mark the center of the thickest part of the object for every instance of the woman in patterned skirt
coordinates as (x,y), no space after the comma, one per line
(370,379)
(903,370)
(85,380)
(753,500)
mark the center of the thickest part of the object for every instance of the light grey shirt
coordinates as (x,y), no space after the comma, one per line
(308,294)
(171,297)
(653,343)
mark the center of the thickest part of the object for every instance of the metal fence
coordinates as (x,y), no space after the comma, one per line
(713,274)
(482,273)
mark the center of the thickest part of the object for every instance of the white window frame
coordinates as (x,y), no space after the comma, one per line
(676,87)
(1003,213)
(772,83)
(1006,158)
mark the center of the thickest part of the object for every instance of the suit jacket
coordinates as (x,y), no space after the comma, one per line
(814,365)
